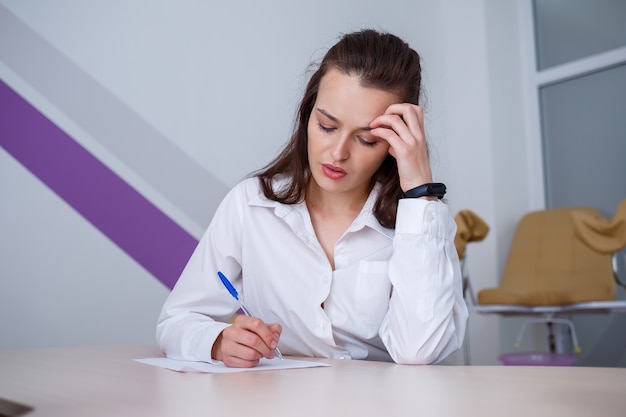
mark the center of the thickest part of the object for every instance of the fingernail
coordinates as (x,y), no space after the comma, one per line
(273,344)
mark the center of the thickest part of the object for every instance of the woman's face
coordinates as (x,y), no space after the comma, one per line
(343,154)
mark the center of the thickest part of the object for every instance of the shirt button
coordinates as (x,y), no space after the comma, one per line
(429,217)
(326,279)
(324,326)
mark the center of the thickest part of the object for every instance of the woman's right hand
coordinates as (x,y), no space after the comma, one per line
(246,341)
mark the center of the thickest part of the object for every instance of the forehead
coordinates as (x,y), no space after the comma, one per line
(344,97)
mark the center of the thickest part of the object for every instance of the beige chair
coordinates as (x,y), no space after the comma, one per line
(551,271)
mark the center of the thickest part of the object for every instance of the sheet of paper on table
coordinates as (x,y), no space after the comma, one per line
(220,368)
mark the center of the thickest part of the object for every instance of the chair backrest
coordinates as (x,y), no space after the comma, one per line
(470,227)
(548,265)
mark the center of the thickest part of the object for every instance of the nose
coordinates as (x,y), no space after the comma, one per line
(341,149)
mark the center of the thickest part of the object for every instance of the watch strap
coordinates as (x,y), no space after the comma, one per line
(434,189)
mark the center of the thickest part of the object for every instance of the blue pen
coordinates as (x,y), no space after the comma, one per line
(231,289)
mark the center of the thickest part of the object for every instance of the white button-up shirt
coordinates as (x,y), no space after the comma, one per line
(394,295)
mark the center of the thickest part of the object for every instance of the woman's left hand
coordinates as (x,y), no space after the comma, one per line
(402,126)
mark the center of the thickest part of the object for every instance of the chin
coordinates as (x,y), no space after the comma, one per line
(326,184)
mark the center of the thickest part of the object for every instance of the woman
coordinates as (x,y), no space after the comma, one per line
(337,246)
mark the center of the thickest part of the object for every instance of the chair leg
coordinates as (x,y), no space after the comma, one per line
(550,321)
(551,339)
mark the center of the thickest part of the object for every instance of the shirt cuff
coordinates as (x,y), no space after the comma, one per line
(422,217)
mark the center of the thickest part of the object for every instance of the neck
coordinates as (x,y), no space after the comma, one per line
(335,204)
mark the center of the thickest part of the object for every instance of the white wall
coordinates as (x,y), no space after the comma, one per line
(219,81)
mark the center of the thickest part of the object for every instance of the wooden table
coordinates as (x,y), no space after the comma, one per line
(105,381)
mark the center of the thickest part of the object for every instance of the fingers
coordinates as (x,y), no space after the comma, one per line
(246,341)
(413,116)
(402,126)
(276,330)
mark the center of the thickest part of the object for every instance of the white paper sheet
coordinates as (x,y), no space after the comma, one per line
(220,368)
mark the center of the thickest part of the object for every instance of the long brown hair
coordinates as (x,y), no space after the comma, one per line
(379,60)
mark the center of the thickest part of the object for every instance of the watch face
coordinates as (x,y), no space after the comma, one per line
(437,189)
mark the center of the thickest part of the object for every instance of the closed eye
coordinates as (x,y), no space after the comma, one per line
(325,129)
(366,142)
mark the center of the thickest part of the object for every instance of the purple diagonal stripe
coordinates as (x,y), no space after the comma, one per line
(121,213)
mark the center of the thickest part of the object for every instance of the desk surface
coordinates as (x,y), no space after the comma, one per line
(105,381)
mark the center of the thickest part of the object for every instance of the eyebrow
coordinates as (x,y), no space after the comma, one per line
(334,119)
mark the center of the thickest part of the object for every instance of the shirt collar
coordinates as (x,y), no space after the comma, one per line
(365,218)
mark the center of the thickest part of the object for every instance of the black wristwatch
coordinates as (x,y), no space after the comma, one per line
(434,189)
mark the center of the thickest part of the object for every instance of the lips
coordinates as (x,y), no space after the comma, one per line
(333,172)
